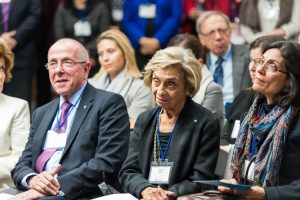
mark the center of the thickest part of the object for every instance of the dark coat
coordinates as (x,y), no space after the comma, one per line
(193,150)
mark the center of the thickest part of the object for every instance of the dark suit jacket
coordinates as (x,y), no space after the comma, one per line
(24,16)
(193,150)
(97,143)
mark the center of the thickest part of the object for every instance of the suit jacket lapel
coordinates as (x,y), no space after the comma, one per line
(42,130)
(82,110)
(237,68)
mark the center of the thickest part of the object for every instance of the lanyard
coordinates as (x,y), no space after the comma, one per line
(163,153)
(69,112)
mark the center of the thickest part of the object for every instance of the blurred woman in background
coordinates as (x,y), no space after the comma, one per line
(119,73)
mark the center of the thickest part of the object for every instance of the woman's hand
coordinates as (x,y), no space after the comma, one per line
(255,192)
(151,193)
(226,189)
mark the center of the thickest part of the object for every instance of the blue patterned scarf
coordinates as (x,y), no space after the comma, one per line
(271,129)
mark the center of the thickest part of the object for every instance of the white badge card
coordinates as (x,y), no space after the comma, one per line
(5,1)
(250,175)
(147,11)
(235,129)
(82,28)
(55,140)
(160,173)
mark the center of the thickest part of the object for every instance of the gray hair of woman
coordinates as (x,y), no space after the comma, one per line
(179,58)
(290,52)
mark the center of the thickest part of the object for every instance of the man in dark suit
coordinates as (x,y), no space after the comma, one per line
(227,62)
(71,148)
(19,22)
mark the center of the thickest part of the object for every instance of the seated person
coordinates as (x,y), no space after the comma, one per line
(210,94)
(243,101)
(178,134)
(77,139)
(270,131)
(14,118)
(119,73)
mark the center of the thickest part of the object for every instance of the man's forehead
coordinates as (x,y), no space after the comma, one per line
(217,19)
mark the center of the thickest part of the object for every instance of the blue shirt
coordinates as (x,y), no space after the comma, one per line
(227,87)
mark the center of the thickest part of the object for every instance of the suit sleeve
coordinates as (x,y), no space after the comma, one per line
(131,176)
(290,191)
(110,152)
(205,162)
(30,23)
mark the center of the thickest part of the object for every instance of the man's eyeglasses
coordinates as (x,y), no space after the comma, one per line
(268,65)
(212,33)
(65,63)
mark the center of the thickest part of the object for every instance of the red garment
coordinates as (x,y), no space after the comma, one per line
(228,7)
(187,24)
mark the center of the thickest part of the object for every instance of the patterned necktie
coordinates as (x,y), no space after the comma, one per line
(219,74)
(5,15)
(62,126)
(59,128)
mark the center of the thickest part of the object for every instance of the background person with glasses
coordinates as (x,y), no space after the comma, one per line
(75,139)
(243,101)
(227,63)
(270,131)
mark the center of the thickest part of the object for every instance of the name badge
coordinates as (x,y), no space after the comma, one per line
(160,172)
(236,128)
(82,28)
(55,140)
(117,14)
(251,170)
(147,11)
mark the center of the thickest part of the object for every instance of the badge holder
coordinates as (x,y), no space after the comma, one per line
(160,172)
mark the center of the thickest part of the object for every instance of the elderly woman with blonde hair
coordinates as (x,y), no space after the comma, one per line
(119,73)
(177,142)
(14,118)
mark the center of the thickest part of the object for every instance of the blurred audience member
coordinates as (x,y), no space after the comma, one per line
(228,63)
(177,142)
(191,12)
(45,39)
(83,20)
(269,17)
(245,98)
(150,25)
(119,73)
(18,28)
(14,118)
(210,94)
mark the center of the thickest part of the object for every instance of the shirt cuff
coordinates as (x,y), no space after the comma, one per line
(24,180)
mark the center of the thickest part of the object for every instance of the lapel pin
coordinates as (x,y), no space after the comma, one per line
(195,120)
(84,106)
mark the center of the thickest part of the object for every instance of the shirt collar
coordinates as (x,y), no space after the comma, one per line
(213,58)
(74,97)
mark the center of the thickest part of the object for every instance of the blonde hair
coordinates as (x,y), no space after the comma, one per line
(181,59)
(8,57)
(124,44)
